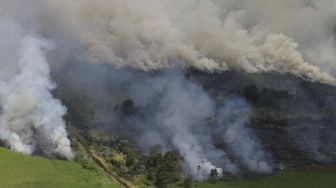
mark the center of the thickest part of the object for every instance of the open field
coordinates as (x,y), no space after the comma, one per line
(17,170)
(311,177)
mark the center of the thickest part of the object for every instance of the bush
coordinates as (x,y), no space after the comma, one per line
(164,169)
(187,183)
(213,174)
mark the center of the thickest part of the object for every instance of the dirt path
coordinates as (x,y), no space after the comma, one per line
(105,166)
(108,169)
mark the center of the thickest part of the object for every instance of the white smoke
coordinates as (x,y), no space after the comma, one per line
(176,114)
(30,118)
(242,143)
(182,109)
(288,36)
(210,35)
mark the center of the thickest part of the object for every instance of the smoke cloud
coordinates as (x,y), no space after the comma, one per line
(259,36)
(294,37)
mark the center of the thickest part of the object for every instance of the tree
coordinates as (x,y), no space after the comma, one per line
(131,157)
(213,174)
(187,183)
(152,164)
(164,169)
(251,93)
(170,170)
(123,146)
(128,108)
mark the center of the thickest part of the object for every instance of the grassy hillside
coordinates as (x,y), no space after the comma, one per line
(17,170)
(310,177)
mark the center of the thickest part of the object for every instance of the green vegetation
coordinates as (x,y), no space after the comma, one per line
(164,169)
(311,177)
(19,170)
(125,163)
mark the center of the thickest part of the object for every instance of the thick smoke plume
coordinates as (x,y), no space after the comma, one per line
(258,36)
(125,49)
(294,37)
(31,119)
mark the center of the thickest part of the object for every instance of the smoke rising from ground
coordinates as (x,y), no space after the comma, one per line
(31,119)
(234,116)
(169,111)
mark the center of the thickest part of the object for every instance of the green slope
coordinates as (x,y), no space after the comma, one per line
(310,177)
(17,170)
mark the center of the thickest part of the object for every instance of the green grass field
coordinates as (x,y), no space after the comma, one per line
(312,177)
(17,170)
